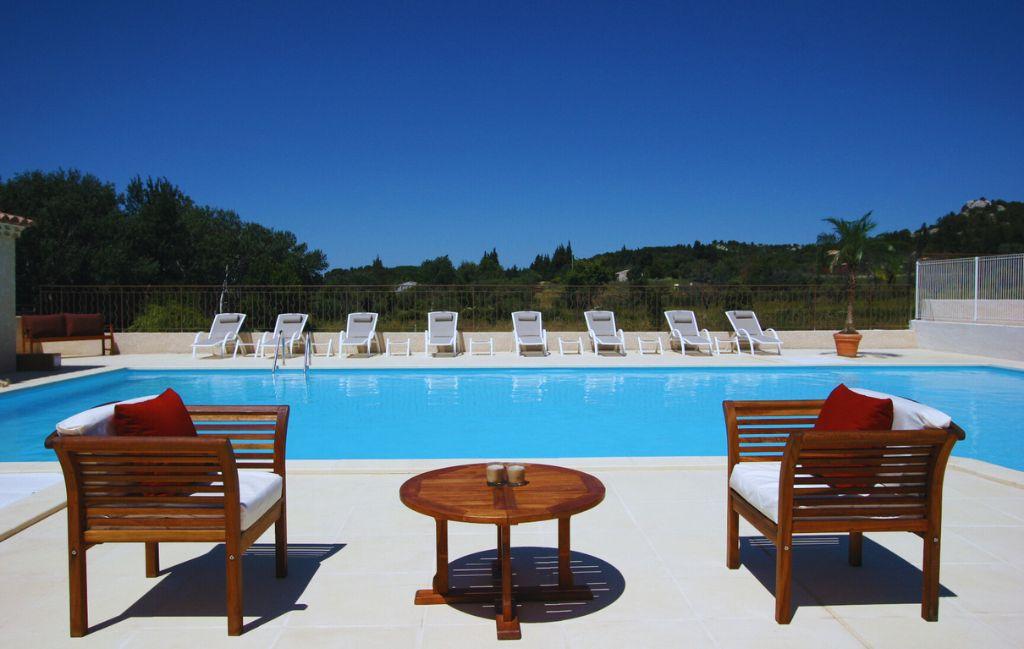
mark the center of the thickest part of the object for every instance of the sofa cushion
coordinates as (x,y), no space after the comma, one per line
(257,492)
(910,415)
(163,416)
(43,326)
(845,409)
(94,421)
(83,324)
(758,484)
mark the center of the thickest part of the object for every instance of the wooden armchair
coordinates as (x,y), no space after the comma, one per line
(227,485)
(786,479)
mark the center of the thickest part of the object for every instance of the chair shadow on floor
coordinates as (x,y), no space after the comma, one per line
(823,577)
(196,588)
(536,566)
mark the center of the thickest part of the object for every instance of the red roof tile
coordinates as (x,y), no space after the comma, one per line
(11,219)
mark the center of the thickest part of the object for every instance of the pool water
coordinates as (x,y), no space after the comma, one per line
(341,414)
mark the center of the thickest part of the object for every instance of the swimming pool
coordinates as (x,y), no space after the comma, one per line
(342,414)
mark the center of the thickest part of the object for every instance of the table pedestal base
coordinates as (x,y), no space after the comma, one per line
(504,598)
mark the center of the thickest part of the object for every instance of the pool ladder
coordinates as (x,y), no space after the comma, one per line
(280,356)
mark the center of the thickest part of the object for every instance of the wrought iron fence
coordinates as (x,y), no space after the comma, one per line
(481,308)
(972,289)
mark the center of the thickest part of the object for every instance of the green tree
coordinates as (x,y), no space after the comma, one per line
(75,239)
(850,245)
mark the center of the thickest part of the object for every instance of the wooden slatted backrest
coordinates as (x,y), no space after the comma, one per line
(257,433)
(150,488)
(759,430)
(886,479)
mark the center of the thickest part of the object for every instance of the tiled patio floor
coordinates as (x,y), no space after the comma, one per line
(656,544)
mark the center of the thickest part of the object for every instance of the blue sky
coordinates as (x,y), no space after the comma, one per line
(417,129)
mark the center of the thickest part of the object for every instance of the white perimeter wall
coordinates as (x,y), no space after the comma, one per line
(162,343)
(998,341)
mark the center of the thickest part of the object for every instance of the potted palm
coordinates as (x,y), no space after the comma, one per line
(850,240)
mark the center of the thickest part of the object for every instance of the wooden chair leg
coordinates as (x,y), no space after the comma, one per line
(234,589)
(152,559)
(930,572)
(79,603)
(856,548)
(783,580)
(281,544)
(732,537)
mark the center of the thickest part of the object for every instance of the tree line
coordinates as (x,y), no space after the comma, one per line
(86,232)
(152,233)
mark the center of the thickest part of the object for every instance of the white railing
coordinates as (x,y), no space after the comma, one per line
(972,289)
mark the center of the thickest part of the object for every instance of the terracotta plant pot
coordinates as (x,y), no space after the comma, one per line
(847,344)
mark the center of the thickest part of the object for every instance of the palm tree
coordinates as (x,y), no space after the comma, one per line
(852,243)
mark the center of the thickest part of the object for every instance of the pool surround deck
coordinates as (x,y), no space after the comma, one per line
(358,555)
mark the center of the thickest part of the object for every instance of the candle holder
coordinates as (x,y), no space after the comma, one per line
(516,475)
(495,475)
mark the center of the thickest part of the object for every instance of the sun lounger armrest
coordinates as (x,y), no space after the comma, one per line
(771,332)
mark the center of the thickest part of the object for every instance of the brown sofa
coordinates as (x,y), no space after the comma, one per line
(61,327)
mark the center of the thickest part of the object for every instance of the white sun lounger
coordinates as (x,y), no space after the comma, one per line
(360,330)
(602,331)
(682,326)
(224,330)
(748,330)
(528,331)
(442,331)
(288,329)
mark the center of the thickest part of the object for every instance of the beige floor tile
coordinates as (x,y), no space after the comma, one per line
(351,637)
(766,634)
(359,600)
(1005,543)
(482,633)
(985,589)
(1008,627)
(358,555)
(652,635)
(952,631)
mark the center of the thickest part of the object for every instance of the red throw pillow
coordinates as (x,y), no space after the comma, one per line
(847,410)
(162,416)
(84,324)
(43,326)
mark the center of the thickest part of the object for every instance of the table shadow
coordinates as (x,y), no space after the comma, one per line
(195,588)
(536,566)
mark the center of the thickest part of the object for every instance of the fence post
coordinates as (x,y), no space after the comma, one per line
(975,289)
(917,290)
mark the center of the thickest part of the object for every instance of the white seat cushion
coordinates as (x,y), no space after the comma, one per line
(94,421)
(758,484)
(910,415)
(257,492)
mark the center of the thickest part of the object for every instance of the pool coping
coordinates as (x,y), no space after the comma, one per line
(30,510)
(795,358)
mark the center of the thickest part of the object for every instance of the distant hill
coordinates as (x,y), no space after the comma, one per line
(980,227)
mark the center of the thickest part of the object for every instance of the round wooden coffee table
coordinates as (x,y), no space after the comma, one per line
(461,493)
